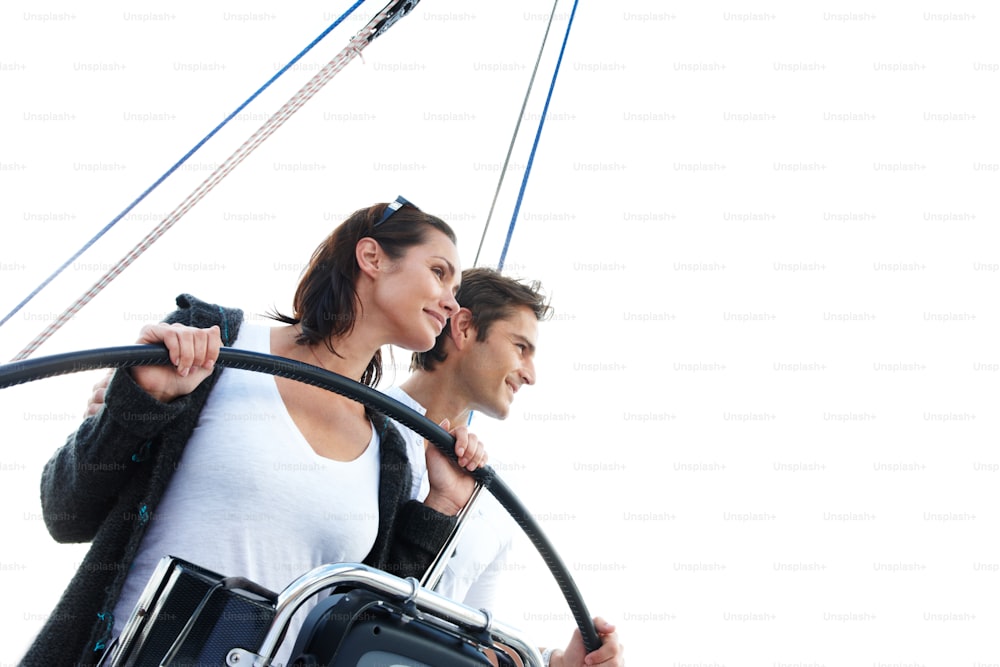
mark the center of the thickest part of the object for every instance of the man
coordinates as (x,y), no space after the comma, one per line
(481,359)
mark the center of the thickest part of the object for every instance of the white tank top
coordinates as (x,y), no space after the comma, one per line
(251,498)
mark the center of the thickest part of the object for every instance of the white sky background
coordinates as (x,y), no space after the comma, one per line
(764,431)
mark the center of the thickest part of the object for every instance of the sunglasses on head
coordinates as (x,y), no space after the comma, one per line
(391,209)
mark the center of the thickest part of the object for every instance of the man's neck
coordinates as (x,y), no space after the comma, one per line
(441,398)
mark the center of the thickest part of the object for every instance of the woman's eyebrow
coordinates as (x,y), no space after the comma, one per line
(451,267)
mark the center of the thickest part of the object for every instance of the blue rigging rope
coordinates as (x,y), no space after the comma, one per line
(538,134)
(180,162)
(517,130)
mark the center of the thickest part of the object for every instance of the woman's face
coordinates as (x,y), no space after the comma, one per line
(416,293)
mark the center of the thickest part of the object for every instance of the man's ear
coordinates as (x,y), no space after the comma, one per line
(369,256)
(462,330)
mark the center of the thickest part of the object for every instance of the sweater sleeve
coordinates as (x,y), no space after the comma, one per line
(419,534)
(82,480)
(410,533)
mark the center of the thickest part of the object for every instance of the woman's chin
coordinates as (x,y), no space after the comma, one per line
(414,344)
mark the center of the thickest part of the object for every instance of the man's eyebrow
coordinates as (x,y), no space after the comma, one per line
(528,343)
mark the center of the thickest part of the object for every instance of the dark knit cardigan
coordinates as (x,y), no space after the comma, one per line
(105,483)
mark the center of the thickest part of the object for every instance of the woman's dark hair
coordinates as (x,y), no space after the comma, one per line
(326,301)
(490,296)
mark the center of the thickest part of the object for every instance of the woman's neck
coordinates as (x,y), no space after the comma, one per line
(353,353)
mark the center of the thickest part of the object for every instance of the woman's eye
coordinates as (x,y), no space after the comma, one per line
(438,271)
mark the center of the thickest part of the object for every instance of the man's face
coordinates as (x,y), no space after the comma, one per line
(496,368)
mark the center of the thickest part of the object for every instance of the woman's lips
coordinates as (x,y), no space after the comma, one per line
(437,318)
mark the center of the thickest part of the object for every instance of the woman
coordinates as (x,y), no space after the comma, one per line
(251,475)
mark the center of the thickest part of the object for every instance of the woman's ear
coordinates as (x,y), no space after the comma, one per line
(369,256)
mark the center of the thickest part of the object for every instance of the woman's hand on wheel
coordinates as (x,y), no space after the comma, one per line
(451,487)
(193,353)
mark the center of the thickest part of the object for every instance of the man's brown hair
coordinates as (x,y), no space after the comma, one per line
(490,296)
